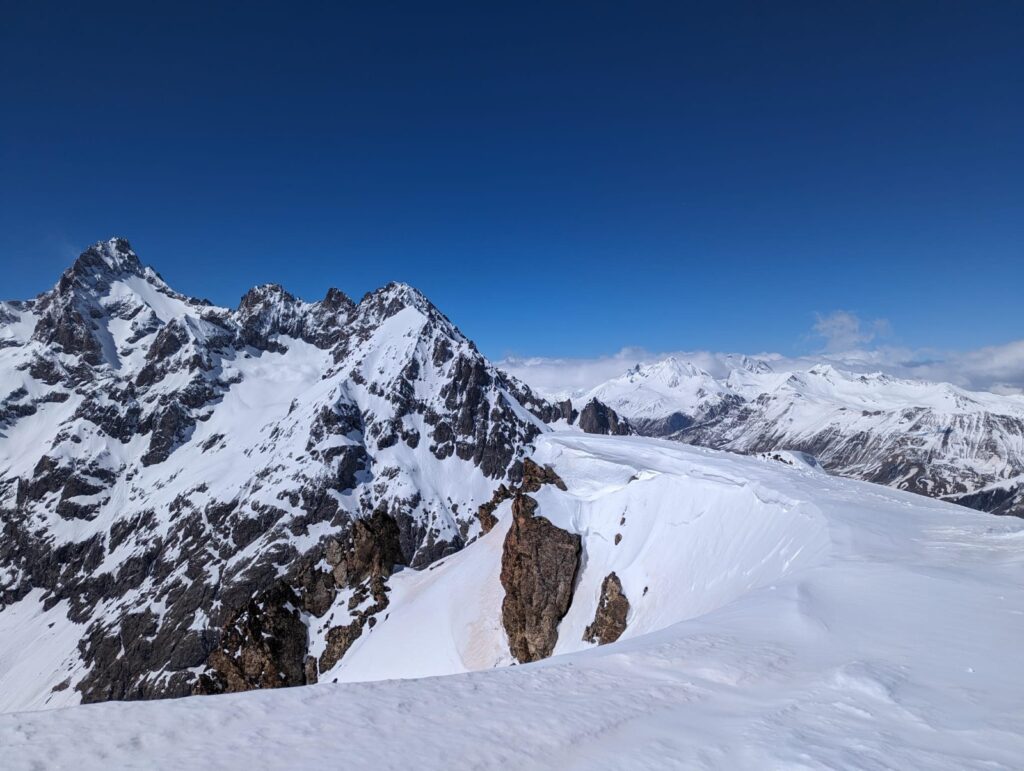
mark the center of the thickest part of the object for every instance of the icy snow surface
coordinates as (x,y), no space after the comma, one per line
(791,620)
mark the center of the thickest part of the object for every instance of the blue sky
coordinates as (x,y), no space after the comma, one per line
(561,179)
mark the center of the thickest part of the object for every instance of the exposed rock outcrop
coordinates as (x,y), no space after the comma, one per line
(610,618)
(485,514)
(363,562)
(372,550)
(538,570)
(339,640)
(599,418)
(566,411)
(262,646)
(536,476)
(1005,501)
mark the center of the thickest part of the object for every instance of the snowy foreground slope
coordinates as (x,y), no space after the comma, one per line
(930,438)
(778,617)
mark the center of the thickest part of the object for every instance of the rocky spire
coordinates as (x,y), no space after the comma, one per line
(115,255)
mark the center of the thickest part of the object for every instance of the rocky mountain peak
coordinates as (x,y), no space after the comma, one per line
(266,295)
(420,318)
(402,293)
(336,300)
(115,255)
(669,372)
(92,273)
(106,282)
(749,364)
(395,297)
(269,310)
(825,371)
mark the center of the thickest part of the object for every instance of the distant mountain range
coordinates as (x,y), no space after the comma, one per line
(930,438)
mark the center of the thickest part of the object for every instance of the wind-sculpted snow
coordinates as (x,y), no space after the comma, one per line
(778,618)
(930,438)
(684,530)
(167,465)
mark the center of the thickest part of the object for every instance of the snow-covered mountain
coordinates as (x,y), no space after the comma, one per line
(200,500)
(180,482)
(764,615)
(930,438)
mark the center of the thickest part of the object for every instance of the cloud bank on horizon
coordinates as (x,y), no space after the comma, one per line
(844,341)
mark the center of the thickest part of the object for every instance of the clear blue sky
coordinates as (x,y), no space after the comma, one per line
(562,179)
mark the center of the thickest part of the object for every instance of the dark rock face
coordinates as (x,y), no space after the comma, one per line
(476,431)
(536,476)
(371,551)
(169,429)
(566,412)
(664,426)
(610,618)
(339,640)
(598,418)
(265,644)
(538,569)
(376,548)
(485,514)
(363,563)
(317,589)
(262,646)
(1005,501)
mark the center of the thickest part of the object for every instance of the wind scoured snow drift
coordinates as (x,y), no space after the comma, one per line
(683,536)
(692,539)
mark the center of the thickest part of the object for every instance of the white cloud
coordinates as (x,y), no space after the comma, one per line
(998,368)
(847,345)
(561,377)
(564,376)
(845,331)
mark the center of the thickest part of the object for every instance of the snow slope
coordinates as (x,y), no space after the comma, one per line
(791,620)
(692,539)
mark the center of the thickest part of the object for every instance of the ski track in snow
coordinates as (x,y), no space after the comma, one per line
(793,620)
